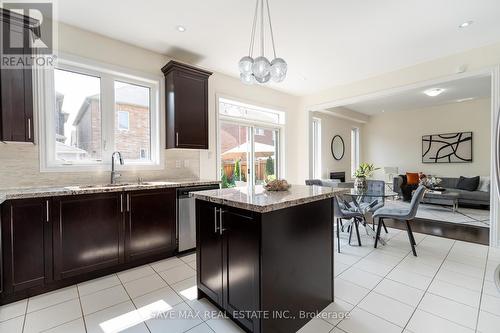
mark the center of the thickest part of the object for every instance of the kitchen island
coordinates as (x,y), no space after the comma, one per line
(266,258)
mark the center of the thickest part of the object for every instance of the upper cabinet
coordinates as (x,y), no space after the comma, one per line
(16,88)
(186,106)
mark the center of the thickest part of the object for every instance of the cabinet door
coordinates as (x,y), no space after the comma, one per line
(26,238)
(241,257)
(88,233)
(16,95)
(191,110)
(208,251)
(150,224)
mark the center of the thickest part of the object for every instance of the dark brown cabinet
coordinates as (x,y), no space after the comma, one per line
(49,243)
(209,251)
(228,266)
(186,106)
(88,233)
(26,244)
(277,263)
(150,223)
(16,87)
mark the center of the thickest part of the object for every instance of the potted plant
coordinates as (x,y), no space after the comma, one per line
(365,170)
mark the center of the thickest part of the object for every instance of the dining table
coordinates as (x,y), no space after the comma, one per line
(362,205)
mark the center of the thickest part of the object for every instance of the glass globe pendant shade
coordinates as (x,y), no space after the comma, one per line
(278,69)
(245,65)
(261,67)
(247,78)
(265,79)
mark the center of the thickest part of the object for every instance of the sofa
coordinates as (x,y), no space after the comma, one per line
(476,197)
(335,183)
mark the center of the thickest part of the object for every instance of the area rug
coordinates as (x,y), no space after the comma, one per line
(469,216)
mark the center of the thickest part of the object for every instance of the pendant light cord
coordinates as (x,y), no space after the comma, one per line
(252,37)
(262,28)
(271,28)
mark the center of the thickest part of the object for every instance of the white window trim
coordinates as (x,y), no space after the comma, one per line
(270,126)
(45,100)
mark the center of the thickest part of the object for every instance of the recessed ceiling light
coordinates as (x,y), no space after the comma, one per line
(465,24)
(434,92)
(181,28)
(383,111)
(465,99)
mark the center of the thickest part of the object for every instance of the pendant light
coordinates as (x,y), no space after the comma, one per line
(260,69)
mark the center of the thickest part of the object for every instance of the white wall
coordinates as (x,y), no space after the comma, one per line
(19,163)
(331,126)
(394,139)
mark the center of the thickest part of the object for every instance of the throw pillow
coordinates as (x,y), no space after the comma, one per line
(412,178)
(468,184)
(484,184)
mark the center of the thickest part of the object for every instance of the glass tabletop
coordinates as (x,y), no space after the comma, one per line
(372,194)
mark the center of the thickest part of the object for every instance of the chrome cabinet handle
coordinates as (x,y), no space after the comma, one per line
(121,203)
(47,211)
(176,139)
(128,202)
(216,230)
(221,229)
(29,128)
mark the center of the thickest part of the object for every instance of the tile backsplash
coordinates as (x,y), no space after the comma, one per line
(20,167)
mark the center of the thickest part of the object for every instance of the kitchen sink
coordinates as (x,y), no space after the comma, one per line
(104,185)
(113,185)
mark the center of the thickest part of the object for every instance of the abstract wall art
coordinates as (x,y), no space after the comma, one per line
(447,148)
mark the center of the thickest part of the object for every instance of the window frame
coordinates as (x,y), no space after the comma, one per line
(45,101)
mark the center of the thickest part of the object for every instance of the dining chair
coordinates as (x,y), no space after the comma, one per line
(342,212)
(403,215)
(374,203)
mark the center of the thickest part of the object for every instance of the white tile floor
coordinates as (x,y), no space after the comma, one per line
(448,288)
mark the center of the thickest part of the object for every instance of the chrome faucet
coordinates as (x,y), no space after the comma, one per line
(114,174)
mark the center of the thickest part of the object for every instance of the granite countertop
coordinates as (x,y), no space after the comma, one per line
(262,201)
(32,192)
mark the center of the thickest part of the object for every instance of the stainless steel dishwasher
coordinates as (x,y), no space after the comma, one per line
(186,216)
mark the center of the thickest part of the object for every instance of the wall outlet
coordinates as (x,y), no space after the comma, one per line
(186,163)
(177,164)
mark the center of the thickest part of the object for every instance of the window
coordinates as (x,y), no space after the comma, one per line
(143,154)
(77,117)
(134,124)
(94,111)
(316,148)
(249,149)
(123,120)
(260,132)
(354,150)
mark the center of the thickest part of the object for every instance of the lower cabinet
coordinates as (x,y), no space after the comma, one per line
(88,233)
(48,243)
(150,223)
(26,244)
(229,255)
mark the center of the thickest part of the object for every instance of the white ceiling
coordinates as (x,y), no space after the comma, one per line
(325,42)
(412,99)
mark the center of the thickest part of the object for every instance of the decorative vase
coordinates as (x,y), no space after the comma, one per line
(360,183)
